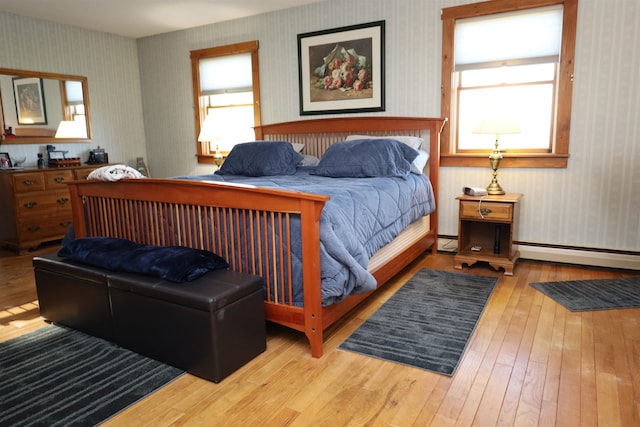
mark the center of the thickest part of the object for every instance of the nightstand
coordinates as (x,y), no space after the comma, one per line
(487,226)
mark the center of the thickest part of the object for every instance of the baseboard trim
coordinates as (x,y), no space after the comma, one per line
(596,258)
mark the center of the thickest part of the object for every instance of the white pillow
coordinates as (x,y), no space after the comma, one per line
(412,141)
(308,160)
(114,173)
(418,164)
(297,147)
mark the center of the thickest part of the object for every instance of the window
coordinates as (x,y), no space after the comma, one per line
(515,58)
(226,88)
(73,101)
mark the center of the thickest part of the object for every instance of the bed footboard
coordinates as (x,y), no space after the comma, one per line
(221,218)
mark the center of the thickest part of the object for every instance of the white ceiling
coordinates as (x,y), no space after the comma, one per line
(140,18)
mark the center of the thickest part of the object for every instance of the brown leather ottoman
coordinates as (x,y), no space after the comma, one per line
(209,327)
(74,295)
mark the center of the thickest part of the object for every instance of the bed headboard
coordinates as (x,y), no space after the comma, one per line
(319,134)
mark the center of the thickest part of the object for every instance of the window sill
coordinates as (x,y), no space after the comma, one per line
(210,158)
(508,161)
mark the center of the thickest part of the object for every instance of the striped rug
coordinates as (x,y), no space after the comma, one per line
(58,376)
(588,295)
(427,323)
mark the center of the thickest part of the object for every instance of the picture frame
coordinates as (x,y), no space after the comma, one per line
(341,70)
(56,155)
(5,161)
(29,97)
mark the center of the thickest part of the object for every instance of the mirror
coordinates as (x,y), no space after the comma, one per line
(33,104)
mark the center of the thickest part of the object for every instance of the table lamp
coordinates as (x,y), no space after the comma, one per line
(496,125)
(209,133)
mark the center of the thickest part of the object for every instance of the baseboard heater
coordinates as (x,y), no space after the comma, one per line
(569,255)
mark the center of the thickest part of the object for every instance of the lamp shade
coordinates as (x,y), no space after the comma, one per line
(208,130)
(69,129)
(497,125)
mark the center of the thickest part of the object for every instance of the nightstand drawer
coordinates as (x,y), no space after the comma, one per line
(486,210)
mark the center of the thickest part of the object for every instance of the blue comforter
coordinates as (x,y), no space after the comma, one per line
(363,215)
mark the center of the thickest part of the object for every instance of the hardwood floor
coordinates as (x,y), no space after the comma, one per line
(530,362)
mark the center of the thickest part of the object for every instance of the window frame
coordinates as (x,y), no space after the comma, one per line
(559,156)
(204,153)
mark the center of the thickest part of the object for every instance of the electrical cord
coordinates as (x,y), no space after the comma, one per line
(479,207)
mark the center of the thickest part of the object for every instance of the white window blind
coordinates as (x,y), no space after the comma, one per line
(73,92)
(230,73)
(508,37)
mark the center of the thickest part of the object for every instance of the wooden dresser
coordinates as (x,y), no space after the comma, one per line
(34,206)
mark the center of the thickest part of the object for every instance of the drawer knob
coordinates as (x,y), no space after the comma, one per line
(59,179)
(65,223)
(28,182)
(30,205)
(484,211)
(63,200)
(34,228)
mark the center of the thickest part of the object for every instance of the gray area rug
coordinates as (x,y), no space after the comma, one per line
(427,323)
(58,376)
(588,295)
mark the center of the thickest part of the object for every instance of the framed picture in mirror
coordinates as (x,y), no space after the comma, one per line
(29,98)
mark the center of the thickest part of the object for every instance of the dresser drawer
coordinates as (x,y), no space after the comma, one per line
(57,179)
(486,210)
(25,182)
(83,172)
(41,228)
(43,203)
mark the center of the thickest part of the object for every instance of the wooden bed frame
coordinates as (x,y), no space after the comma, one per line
(188,213)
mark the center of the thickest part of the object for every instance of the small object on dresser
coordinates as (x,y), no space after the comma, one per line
(142,167)
(5,160)
(64,163)
(18,162)
(98,156)
(474,191)
(41,163)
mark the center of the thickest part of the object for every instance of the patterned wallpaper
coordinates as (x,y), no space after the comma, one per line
(110,64)
(592,203)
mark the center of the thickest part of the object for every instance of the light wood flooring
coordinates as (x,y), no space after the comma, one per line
(530,362)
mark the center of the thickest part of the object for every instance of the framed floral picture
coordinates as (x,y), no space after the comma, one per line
(341,70)
(29,101)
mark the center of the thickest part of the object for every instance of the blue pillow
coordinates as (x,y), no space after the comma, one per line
(363,158)
(174,263)
(261,158)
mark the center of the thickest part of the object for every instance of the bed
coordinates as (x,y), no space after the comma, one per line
(255,228)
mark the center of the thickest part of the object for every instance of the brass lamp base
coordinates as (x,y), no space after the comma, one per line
(217,159)
(494,188)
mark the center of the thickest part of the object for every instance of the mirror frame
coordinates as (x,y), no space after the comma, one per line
(51,76)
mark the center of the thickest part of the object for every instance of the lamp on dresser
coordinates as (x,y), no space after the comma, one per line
(69,129)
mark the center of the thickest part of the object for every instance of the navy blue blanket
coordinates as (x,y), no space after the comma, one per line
(363,215)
